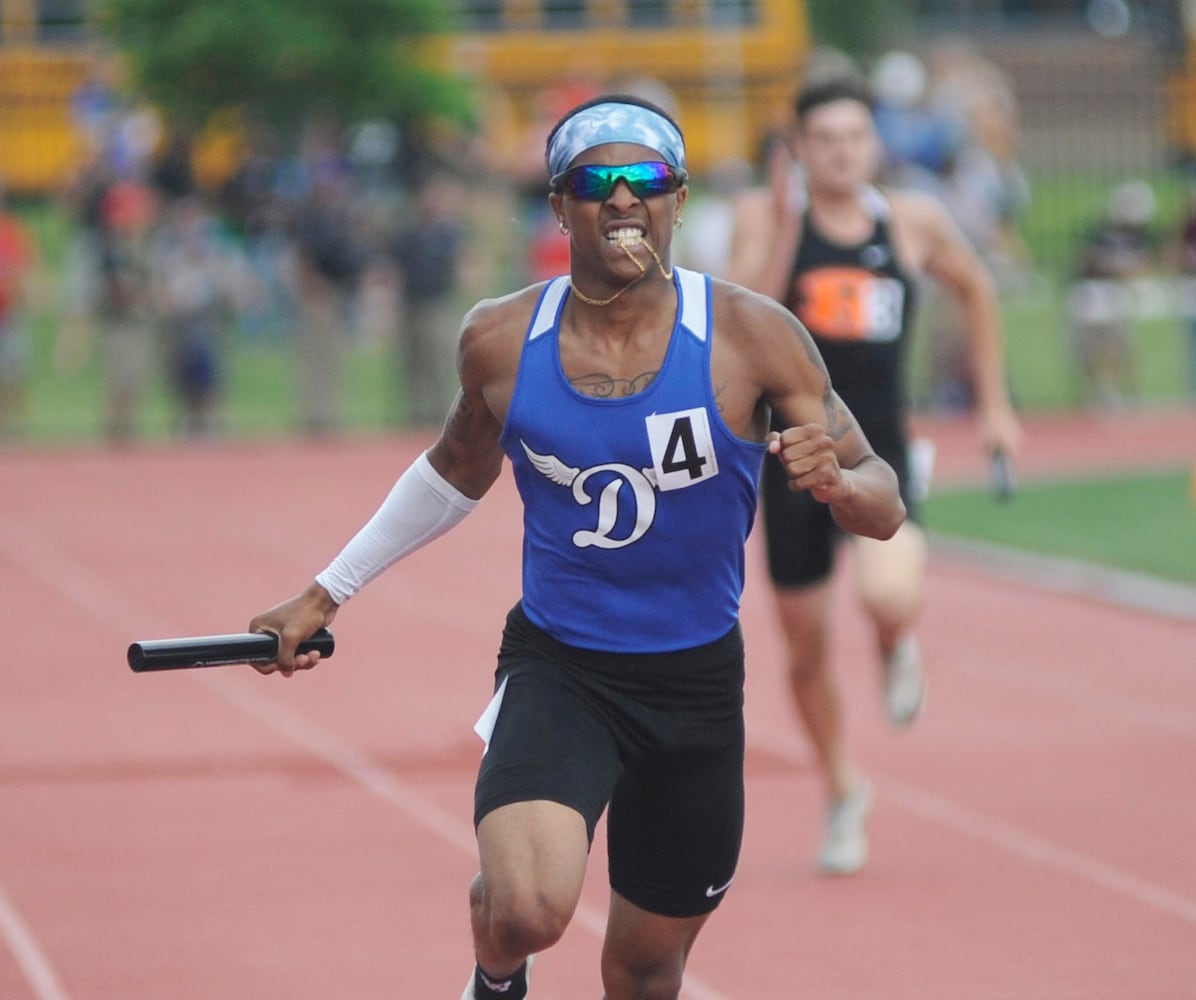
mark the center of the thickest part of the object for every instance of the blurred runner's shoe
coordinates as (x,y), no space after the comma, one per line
(905,685)
(845,846)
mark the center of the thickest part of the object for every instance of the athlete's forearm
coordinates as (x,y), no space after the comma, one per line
(988,351)
(420,507)
(871,504)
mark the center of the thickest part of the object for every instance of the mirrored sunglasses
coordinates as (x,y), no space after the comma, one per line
(595,183)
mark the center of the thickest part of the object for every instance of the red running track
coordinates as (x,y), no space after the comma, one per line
(215,834)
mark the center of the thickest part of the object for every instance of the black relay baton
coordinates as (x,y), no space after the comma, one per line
(218,650)
(1001,476)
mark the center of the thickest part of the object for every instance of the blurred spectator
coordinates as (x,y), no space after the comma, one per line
(428,254)
(127,212)
(705,241)
(551,101)
(93,108)
(987,192)
(374,149)
(195,281)
(18,257)
(131,139)
(920,139)
(172,174)
(78,291)
(547,249)
(1187,271)
(254,203)
(987,189)
(330,262)
(1101,305)
(648,88)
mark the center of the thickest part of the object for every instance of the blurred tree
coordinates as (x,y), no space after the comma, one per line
(283,59)
(862,29)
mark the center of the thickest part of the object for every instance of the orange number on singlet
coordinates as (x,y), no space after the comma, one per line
(849,303)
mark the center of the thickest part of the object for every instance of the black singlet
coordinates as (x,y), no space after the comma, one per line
(857,302)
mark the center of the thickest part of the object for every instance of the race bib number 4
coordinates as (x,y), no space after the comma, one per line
(682,448)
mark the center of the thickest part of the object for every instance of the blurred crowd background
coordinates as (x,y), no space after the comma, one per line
(230,218)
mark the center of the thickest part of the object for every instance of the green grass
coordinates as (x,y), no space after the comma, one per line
(1143,521)
(66,406)
(1041,368)
(1064,205)
(66,401)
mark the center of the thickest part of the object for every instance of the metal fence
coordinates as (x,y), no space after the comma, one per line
(1094,113)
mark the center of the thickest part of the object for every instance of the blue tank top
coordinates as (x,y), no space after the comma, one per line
(636,509)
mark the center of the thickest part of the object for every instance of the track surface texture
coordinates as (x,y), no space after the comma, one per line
(215,834)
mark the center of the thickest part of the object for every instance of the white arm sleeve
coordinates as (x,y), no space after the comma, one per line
(420,507)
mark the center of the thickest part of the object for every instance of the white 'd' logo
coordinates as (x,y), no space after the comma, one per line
(641,481)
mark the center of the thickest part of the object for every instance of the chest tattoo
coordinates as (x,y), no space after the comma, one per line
(602,386)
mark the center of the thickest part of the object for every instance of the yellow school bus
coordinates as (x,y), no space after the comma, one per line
(731,66)
(1180,117)
(42,63)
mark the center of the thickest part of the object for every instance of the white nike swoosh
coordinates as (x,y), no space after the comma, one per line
(711,891)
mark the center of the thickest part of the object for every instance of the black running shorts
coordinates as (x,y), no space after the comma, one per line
(799,533)
(658,737)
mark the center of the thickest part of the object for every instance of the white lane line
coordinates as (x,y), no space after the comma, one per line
(1177,717)
(79,585)
(45,561)
(25,949)
(1003,836)
(1039,851)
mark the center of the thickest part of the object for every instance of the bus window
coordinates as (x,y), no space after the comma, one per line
(565,13)
(61,20)
(481,15)
(734,11)
(648,12)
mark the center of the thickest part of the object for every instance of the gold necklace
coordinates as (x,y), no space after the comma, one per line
(668,275)
(607,301)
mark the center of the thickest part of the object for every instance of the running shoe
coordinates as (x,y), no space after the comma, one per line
(845,845)
(905,683)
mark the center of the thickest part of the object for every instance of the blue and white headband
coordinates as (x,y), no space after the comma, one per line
(614,121)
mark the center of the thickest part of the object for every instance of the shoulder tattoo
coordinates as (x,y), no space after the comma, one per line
(839,420)
(812,352)
(838,417)
(460,417)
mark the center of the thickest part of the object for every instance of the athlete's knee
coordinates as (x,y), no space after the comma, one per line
(528,927)
(519,919)
(893,602)
(891,575)
(639,981)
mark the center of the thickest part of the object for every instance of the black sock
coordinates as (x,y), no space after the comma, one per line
(488,988)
